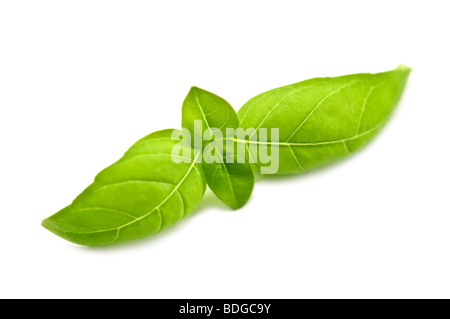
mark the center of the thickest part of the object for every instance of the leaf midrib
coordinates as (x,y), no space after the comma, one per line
(177,186)
(223,164)
(310,144)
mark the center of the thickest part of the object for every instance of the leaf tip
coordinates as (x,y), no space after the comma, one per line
(44,223)
(238,206)
(404,68)
(238,203)
(195,89)
(47,224)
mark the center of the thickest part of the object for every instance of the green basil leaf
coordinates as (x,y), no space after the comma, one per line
(139,195)
(323,119)
(230,181)
(213,111)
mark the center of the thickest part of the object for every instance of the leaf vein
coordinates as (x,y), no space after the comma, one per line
(363,109)
(315,143)
(106,209)
(316,107)
(296,159)
(276,106)
(175,190)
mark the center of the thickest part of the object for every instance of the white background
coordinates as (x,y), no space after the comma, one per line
(81,81)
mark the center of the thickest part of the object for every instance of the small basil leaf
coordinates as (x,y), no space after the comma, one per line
(214,113)
(230,181)
(324,119)
(139,195)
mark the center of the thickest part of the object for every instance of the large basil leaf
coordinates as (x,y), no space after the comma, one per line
(323,119)
(142,193)
(230,181)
